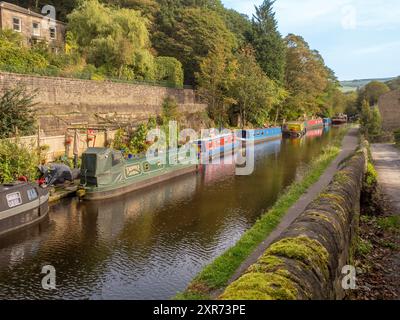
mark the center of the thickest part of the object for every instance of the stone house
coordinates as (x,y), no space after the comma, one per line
(33,27)
(389,106)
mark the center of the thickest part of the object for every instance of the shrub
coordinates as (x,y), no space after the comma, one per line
(397,137)
(17,160)
(170,70)
(16,112)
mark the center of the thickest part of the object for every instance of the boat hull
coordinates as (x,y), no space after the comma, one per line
(108,193)
(260,135)
(26,214)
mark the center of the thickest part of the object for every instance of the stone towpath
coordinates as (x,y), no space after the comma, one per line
(349,145)
(387,162)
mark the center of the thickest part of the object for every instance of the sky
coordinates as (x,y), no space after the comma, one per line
(359,39)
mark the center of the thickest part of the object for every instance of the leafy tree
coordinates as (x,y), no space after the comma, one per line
(394,84)
(306,79)
(372,92)
(371,121)
(116,38)
(254,92)
(189,34)
(215,78)
(169,69)
(17,113)
(268,42)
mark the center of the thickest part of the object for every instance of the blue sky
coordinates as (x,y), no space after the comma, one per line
(358,39)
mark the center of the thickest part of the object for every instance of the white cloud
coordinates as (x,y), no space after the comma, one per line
(383,47)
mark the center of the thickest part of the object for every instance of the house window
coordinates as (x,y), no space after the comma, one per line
(53,33)
(17,24)
(36,29)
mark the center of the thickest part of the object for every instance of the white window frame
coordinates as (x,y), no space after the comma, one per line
(19,25)
(38,29)
(55,33)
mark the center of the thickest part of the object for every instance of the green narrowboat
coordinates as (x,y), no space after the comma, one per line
(105,173)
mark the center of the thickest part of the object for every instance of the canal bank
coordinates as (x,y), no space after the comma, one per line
(151,244)
(231,265)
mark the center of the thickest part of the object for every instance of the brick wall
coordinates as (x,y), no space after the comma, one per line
(63,102)
(389,106)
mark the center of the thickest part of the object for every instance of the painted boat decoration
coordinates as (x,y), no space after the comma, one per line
(105,173)
(294,129)
(314,124)
(327,122)
(260,135)
(22,204)
(340,119)
(217,146)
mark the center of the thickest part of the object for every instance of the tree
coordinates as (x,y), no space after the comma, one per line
(254,92)
(115,38)
(268,42)
(17,113)
(372,92)
(189,34)
(306,79)
(215,78)
(371,121)
(394,84)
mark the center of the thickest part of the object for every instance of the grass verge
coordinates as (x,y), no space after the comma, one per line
(216,275)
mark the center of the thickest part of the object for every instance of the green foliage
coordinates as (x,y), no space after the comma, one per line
(371,121)
(169,69)
(372,92)
(394,84)
(16,113)
(397,137)
(138,140)
(14,57)
(17,160)
(189,34)
(267,41)
(391,224)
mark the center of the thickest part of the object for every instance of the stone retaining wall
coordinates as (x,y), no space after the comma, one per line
(62,102)
(306,261)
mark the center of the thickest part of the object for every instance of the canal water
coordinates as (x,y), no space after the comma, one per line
(150,244)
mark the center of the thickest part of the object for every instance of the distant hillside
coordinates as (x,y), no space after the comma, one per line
(353,85)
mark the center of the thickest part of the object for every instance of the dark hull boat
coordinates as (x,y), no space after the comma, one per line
(340,120)
(22,204)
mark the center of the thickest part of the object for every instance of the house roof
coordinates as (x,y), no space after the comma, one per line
(22,10)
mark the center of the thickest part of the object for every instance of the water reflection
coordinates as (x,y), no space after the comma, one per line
(150,244)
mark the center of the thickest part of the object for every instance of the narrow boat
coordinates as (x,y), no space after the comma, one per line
(314,124)
(105,173)
(217,146)
(327,122)
(294,129)
(340,119)
(22,204)
(260,135)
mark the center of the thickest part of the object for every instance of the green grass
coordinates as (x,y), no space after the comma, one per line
(391,224)
(216,275)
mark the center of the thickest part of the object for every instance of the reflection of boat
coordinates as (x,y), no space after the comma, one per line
(314,124)
(22,204)
(106,173)
(217,146)
(260,135)
(340,119)
(315,133)
(327,122)
(294,129)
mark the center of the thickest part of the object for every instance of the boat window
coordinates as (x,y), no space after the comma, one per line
(32,194)
(116,159)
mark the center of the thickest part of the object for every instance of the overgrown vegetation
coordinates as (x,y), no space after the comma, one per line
(17,116)
(243,67)
(397,137)
(216,275)
(18,160)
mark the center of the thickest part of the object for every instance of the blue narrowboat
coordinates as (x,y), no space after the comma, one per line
(260,135)
(327,122)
